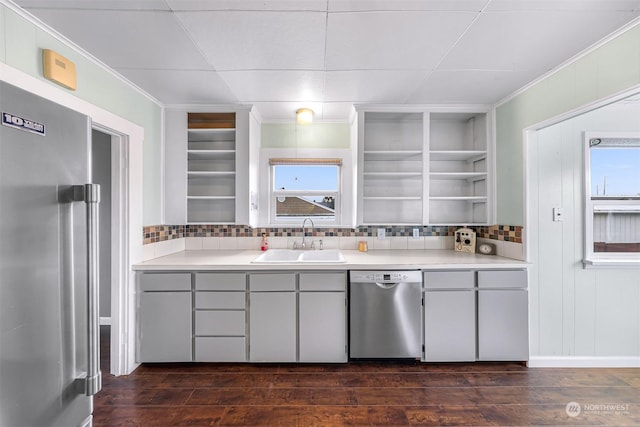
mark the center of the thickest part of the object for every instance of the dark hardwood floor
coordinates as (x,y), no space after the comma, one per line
(366,394)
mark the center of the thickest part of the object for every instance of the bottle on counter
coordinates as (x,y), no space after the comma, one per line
(264,245)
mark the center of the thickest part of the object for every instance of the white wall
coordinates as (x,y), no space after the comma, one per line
(576,313)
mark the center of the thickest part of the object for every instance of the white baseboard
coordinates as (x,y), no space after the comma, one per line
(583,362)
(105,321)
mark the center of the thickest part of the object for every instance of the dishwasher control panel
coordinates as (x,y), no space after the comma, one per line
(385,276)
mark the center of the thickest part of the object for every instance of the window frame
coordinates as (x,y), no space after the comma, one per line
(592,258)
(274,193)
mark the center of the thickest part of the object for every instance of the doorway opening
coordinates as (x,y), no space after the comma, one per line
(108,168)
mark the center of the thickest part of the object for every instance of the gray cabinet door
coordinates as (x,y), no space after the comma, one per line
(503,331)
(450,326)
(322,327)
(272,326)
(165,327)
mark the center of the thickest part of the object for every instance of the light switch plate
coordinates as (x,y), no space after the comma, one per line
(558,214)
(381,233)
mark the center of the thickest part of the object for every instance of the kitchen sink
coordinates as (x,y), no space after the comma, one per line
(274,256)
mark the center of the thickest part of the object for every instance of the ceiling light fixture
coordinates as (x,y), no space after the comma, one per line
(304,116)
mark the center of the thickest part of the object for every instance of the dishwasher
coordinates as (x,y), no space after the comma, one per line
(385,314)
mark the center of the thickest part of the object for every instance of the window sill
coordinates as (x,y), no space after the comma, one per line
(611,263)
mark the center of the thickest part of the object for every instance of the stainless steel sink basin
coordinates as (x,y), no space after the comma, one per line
(275,256)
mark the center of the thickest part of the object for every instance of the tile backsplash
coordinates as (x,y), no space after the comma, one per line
(160,233)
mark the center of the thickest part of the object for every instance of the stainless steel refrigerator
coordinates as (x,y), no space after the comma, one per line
(49,332)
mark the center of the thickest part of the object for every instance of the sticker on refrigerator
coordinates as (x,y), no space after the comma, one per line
(21,123)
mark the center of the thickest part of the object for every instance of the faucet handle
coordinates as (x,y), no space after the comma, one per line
(295,245)
(313,244)
(321,244)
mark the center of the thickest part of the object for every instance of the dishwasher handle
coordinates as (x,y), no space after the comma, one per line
(389,285)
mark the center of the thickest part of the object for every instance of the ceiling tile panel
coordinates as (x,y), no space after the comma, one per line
(371,5)
(473,86)
(581,5)
(127,39)
(279,85)
(372,85)
(202,5)
(535,40)
(97,4)
(182,86)
(259,40)
(392,40)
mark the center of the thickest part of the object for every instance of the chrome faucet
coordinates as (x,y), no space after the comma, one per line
(313,227)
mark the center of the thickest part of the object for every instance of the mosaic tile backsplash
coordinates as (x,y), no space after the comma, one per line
(159,233)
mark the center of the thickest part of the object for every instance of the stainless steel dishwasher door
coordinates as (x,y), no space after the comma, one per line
(385,314)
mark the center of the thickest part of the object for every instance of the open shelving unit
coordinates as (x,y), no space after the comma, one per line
(458,169)
(421,166)
(392,178)
(211,168)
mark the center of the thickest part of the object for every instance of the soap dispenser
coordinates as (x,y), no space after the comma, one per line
(264,245)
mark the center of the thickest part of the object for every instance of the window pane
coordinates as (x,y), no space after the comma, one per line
(296,207)
(306,177)
(616,231)
(615,171)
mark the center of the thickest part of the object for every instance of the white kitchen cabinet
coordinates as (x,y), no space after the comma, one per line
(272,327)
(164,317)
(207,165)
(322,311)
(272,324)
(503,328)
(449,316)
(421,166)
(220,317)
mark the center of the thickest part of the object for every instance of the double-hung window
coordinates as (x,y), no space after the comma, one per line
(305,188)
(612,165)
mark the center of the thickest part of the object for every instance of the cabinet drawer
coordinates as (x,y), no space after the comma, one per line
(224,323)
(221,281)
(165,282)
(272,282)
(323,282)
(221,300)
(449,279)
(502,279)
(220,349)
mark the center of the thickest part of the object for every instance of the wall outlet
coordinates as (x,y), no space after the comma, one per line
(381,233)
(416,233)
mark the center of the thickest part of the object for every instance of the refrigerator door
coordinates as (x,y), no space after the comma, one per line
(43,262)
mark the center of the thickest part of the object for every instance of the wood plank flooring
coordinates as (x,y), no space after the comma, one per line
(369,393)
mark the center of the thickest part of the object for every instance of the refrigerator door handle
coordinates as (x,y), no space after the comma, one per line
(90,194)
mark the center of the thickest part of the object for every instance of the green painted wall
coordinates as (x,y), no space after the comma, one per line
(316,135)
(610,69)
(20,47)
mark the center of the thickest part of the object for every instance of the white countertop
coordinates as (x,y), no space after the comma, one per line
(218,260)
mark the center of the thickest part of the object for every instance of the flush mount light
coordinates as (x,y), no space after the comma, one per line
(304,116)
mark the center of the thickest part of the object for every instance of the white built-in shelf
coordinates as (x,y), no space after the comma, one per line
(211,197)
(458,155)
(210,173)
(392,174)
(211,154)
(392,155)
(392,198)
(469,176)
(470,199)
